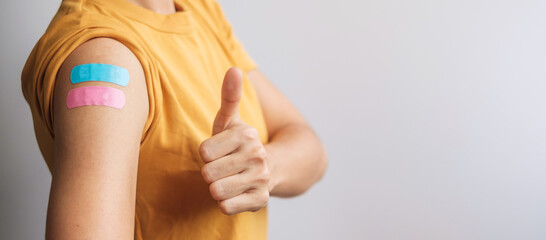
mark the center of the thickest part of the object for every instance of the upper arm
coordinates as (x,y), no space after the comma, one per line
(96,150)
(278,111)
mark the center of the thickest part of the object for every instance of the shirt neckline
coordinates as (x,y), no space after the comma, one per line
(177,22)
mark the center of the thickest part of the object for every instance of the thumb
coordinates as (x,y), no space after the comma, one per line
(231,96)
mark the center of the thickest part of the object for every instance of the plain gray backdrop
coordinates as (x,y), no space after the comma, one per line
(433,114)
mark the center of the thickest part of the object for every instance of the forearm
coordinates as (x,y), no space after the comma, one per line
(296,159)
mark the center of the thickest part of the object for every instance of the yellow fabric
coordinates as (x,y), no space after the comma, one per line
(184,56)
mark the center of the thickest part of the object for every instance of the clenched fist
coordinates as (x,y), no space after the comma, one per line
(236,164)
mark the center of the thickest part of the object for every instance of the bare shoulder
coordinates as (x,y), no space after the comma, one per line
(105,50)
(102,56)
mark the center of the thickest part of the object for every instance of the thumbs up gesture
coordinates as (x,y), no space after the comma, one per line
(235,160)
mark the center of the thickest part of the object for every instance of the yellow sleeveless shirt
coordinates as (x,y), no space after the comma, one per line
(184,57)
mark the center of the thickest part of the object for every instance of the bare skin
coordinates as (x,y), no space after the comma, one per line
(96,151)
(241,171)
(159,6)
(296,157)
(94,174)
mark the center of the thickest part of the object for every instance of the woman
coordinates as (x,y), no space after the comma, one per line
(146,134)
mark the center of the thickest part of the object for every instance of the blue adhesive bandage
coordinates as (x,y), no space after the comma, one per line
(99,72)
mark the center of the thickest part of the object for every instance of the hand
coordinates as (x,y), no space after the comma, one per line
(235,159)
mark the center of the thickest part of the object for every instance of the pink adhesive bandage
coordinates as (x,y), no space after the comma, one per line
(95,96)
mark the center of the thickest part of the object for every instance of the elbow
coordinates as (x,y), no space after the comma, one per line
(323,164)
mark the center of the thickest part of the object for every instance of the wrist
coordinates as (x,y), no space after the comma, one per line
(274,178)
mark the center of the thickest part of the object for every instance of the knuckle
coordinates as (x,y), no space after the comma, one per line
(262,153)
(249,133)
(259,152)
(263,178)
(257,160)
(265,174)
(262,199)
(257,208)
(204,151)
(265,200)
(207,173)
(226,208)
(216,191)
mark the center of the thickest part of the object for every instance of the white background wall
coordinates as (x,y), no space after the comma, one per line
(433,114)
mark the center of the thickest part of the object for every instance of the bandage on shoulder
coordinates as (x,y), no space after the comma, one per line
(100,72)
(95,96)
